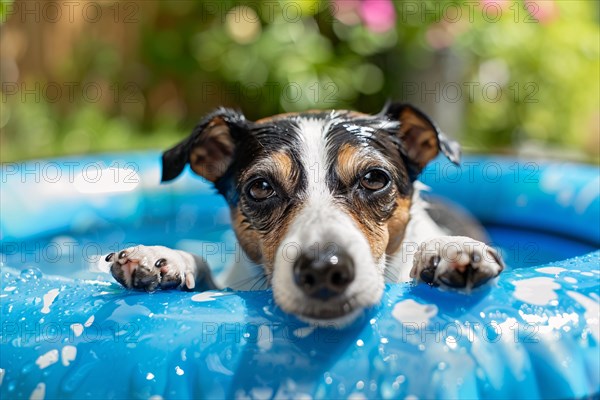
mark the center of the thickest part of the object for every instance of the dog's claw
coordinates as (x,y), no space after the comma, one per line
(457,262)
(146,268)
(427,276)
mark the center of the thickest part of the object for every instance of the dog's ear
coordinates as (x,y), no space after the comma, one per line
(209,149)
(421,138)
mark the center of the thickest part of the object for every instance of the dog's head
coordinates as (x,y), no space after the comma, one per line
(318,198)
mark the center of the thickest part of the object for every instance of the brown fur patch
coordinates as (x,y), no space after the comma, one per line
(373,230)
(262,246)
(383,236)
(248,238)
(347,162)
(279,165)
(396,225)
(386,237)
(351,160)
(419,137)
(272,239)
(283,166)
(376,235)
(212,153)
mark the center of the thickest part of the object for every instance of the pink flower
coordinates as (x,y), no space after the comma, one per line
(543,10)
(378,15)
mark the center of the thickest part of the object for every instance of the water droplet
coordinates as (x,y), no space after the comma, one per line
(480,373)
(388,391)
(31,273)
(27,368)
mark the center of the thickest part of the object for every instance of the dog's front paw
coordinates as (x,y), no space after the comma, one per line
(457,262)
(151,267)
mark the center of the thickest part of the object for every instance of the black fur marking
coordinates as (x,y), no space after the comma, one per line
(269,138)
(379,137)
(257,140)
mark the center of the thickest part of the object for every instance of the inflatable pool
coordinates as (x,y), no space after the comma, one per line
(69,331)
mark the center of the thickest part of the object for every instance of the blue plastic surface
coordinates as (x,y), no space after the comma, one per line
(68,331)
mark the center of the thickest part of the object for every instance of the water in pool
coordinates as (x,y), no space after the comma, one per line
(73,254)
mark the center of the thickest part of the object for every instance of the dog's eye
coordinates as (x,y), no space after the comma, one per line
(375,179)
(260,189)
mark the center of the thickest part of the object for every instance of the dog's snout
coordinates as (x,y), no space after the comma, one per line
(323,277)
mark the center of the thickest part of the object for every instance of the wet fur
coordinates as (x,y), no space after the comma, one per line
(314,161)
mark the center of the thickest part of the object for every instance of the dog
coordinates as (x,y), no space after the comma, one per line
(326,206)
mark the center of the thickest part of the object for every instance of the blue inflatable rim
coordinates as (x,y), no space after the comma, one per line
(69,334)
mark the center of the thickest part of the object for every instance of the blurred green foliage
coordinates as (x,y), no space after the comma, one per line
(171,62)
(3,6)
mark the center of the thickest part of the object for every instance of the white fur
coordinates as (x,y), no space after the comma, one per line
(179,262)
(320,222)
(243,274)
(456,253)
(314,158)
(420,228)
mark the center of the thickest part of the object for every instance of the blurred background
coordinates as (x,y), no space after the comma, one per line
(504,76)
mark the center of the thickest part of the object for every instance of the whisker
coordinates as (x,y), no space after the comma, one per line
(261,280)
(266,282)
(246,281)
(390,274)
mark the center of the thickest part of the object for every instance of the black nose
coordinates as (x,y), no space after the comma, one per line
(324,276)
